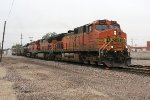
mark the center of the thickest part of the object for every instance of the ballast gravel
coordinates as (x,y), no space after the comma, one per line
(35,79)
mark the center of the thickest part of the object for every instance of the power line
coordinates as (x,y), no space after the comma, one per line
(10,9)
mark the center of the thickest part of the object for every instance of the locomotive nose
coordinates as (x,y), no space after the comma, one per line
(116,32)
(118,41)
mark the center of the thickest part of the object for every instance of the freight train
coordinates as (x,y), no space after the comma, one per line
(101,42)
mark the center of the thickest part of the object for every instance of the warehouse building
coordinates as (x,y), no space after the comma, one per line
(148,46)
(138,49)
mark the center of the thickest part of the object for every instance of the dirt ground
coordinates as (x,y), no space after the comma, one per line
(32,79)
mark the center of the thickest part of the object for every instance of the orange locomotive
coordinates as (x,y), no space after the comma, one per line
(101,42)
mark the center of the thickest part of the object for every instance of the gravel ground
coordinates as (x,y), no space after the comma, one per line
(33,79)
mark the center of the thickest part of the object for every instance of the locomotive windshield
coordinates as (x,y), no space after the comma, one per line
(101,27)
(104,27)
(114,27)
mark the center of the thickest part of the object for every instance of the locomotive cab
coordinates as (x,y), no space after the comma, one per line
(112,43)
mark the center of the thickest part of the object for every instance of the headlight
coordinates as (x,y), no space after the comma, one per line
(126,46)
(115,33)
(112,47)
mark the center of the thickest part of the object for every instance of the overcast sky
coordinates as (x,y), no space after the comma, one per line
(34,18)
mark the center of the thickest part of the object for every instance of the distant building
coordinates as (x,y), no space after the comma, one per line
(138,49)
(148,46)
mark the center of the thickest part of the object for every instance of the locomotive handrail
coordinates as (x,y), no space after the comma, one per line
(106,45)
(100,50)
(103,45)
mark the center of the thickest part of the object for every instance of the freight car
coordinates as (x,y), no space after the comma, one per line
(100,42)
(17,49)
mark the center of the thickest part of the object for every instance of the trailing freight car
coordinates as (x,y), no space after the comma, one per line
(17,49)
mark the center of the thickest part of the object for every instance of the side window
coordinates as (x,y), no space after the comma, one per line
(84,28)
(90,28)
(80,29)
(76,30)
(87,28)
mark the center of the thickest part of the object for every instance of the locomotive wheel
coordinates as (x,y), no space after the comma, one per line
(86,62)
(128,62)
(92,62)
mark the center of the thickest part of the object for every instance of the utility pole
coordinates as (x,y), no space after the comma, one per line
(132,42)
(3,41)
(21,39)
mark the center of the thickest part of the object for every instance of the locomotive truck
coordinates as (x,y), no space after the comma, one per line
(101,42)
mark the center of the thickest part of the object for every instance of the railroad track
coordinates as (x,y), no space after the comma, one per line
(138,68)
(132,68)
